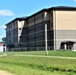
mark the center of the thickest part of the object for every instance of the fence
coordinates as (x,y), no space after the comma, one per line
(30,48)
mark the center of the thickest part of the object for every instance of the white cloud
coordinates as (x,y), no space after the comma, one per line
(6,13)
(3,26)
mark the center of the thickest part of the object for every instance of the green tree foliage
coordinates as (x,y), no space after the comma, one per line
(4,39)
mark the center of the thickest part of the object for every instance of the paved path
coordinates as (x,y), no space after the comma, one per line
(47,56)
(2,72)
(42,56)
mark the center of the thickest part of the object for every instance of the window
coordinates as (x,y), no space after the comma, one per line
(20,45)
(19,28)
(20,37)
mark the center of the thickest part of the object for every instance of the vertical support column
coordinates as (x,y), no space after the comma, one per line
(65,46)
(73,46)
(54,28)
(46,39)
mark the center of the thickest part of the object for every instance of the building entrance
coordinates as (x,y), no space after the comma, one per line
(67,45)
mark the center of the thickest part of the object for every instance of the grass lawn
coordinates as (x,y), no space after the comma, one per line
(64,53)
(24,65)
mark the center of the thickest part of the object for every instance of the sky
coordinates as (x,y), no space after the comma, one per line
(11,9)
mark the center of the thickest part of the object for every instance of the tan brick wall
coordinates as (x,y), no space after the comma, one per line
(66,20)
(64,23)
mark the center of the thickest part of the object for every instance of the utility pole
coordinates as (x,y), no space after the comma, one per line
(46,39)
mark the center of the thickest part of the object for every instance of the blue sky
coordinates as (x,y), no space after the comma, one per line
(10,9)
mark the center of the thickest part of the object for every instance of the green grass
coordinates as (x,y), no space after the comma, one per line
(24,65)
(38,66)
(64,53)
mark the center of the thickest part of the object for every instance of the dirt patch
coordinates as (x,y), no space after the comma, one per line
(2,72)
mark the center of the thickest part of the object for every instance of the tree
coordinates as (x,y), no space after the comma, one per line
(4,40)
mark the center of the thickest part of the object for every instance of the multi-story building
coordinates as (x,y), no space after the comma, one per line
(54,28)
(14,32)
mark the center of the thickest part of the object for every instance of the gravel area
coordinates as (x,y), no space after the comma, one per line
(2,72)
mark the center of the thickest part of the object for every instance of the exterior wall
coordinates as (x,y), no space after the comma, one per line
(48,19)
(31,21)
(22,34)
(65,26)
(54,28)
(11,32)
(51,29)
(20,26)
(30,33)
(46,16)
(37,31)
(1,48)
(24,38)
(39,18)
(14,31)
